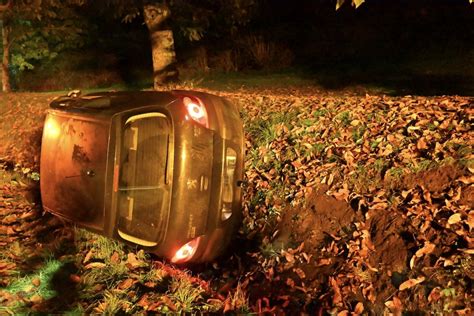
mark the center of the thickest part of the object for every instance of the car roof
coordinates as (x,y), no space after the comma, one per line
(110,103)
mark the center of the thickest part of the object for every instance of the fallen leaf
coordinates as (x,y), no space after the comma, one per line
(133,262)
(288,256)
(115,258)
(411,283)
(395,306)
(290,282)
(434,295)
(88,256)
(412,262)
(300,273)
(150,284)
(153,307)
(337,297)
(95,265)
(297,163)
(168,302)
(341,195)
(143,301)
(125,284)
(427,249)
(359,308)
(421,144)
(455,218)
(75,278)
(36,298)
(36,282)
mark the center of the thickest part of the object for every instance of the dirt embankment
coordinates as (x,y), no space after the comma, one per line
(327,230)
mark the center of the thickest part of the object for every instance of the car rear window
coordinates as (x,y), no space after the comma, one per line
(144,151)
(144,157)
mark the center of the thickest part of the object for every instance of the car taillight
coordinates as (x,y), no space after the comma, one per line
(196,110)
(187,251)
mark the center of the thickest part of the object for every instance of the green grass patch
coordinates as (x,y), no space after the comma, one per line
(38,283)
(344,118)
(251,79)
(264,130)
(185,294)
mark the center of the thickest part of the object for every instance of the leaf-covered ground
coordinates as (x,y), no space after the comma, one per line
(354,204)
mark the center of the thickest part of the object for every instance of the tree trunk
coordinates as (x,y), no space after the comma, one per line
(6,57)
(162,44)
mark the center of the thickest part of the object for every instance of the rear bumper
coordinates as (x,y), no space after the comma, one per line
(201,185)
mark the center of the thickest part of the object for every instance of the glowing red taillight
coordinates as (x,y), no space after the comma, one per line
(187,251)
(196,110)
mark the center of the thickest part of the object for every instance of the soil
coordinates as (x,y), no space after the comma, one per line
(433,180)
(467,197)
(390,250)
(324,219)
(323,216)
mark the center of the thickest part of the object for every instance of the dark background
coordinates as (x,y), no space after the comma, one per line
(419,47)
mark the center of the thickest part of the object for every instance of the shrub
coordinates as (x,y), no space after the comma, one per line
(265,54)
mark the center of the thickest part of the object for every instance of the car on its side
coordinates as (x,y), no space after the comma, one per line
(161,170)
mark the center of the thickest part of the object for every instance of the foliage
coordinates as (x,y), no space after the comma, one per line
(358,3)
(355,3)
(191,20)
(41,30)
(196,19)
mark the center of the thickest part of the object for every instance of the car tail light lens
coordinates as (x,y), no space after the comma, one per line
(196,110)
(187,251)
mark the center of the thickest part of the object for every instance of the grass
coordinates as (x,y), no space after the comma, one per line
(114,302)
(265,130)
(185,294)
(251,79)
(358,134)
(367,176)
(153,275)
(240,300)
(38,284)
(344,118)
(109,275)
(406,78)
(102,249)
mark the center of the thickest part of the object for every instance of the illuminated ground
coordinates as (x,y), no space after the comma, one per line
(354,203)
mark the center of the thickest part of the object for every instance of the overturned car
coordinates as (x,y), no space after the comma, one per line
(161,170)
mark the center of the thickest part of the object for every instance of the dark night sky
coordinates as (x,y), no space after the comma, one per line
(425,41)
